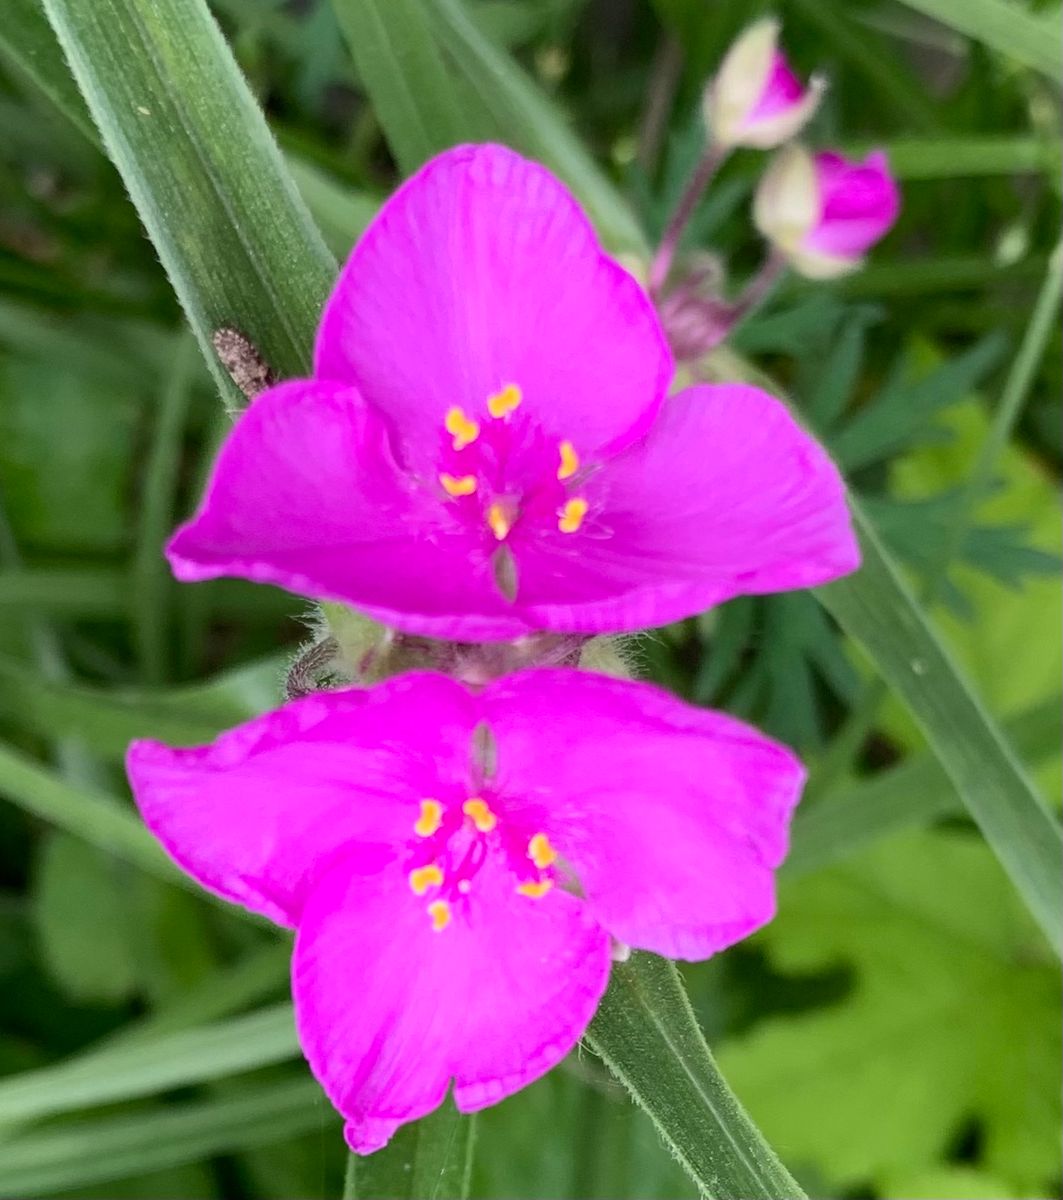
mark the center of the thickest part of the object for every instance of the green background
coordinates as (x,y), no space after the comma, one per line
(895,1032)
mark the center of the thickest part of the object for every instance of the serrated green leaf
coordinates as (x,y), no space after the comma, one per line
(905,406)
(952,1015)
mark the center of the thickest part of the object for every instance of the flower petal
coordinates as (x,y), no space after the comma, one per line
(859,204)
(254,815)
(389,1011)
(306,495)
(482,271)
(673,818)
(726,496)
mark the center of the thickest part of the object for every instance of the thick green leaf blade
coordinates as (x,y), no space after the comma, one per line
(646,1033)
(1007,28)
(397,59)
(180,124)
(150,1064)
(72,1157)
(847,819)
(429,1159)
(876,607)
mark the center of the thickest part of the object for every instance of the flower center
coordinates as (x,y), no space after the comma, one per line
(450,846)
(505,471)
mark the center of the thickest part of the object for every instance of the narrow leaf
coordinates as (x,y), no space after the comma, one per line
(878,610)
(429,1159)
(110,719)
(1007,28)
(397,59)
(97,818)
(847,819)
(72,1157)
(181,125)
(152,1064)
(28,46)
(646,1033)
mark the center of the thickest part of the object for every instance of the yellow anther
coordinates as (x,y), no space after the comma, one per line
(535,888)
(502,403)
(430,819)
(423,878)
(464,430)
(458,485)
(498,517)
(570,518)
(439,911)
(481,816)
(541,852)
(569,461)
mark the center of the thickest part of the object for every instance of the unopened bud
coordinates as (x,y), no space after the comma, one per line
(822,212)
(755,99)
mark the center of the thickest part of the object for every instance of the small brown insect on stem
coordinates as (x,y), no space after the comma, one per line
(241,358)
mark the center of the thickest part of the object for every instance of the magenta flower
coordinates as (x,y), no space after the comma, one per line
(824,212)
(483,449)
(456,864)
(755,99)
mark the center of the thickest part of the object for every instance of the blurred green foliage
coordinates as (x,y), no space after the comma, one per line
(895,1031)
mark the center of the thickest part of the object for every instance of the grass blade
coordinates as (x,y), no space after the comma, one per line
(99,819)
(429,1159)
(179,122)
(646,1033)
(152,582)
(878,610)
(846,819)
(28,46)
(1004,27)
(397,59)
(73,1157)
(152,1064)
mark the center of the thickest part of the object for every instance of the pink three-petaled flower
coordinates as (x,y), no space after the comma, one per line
(486,449)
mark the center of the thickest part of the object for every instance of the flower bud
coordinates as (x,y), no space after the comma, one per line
(823,212)
(755,99)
